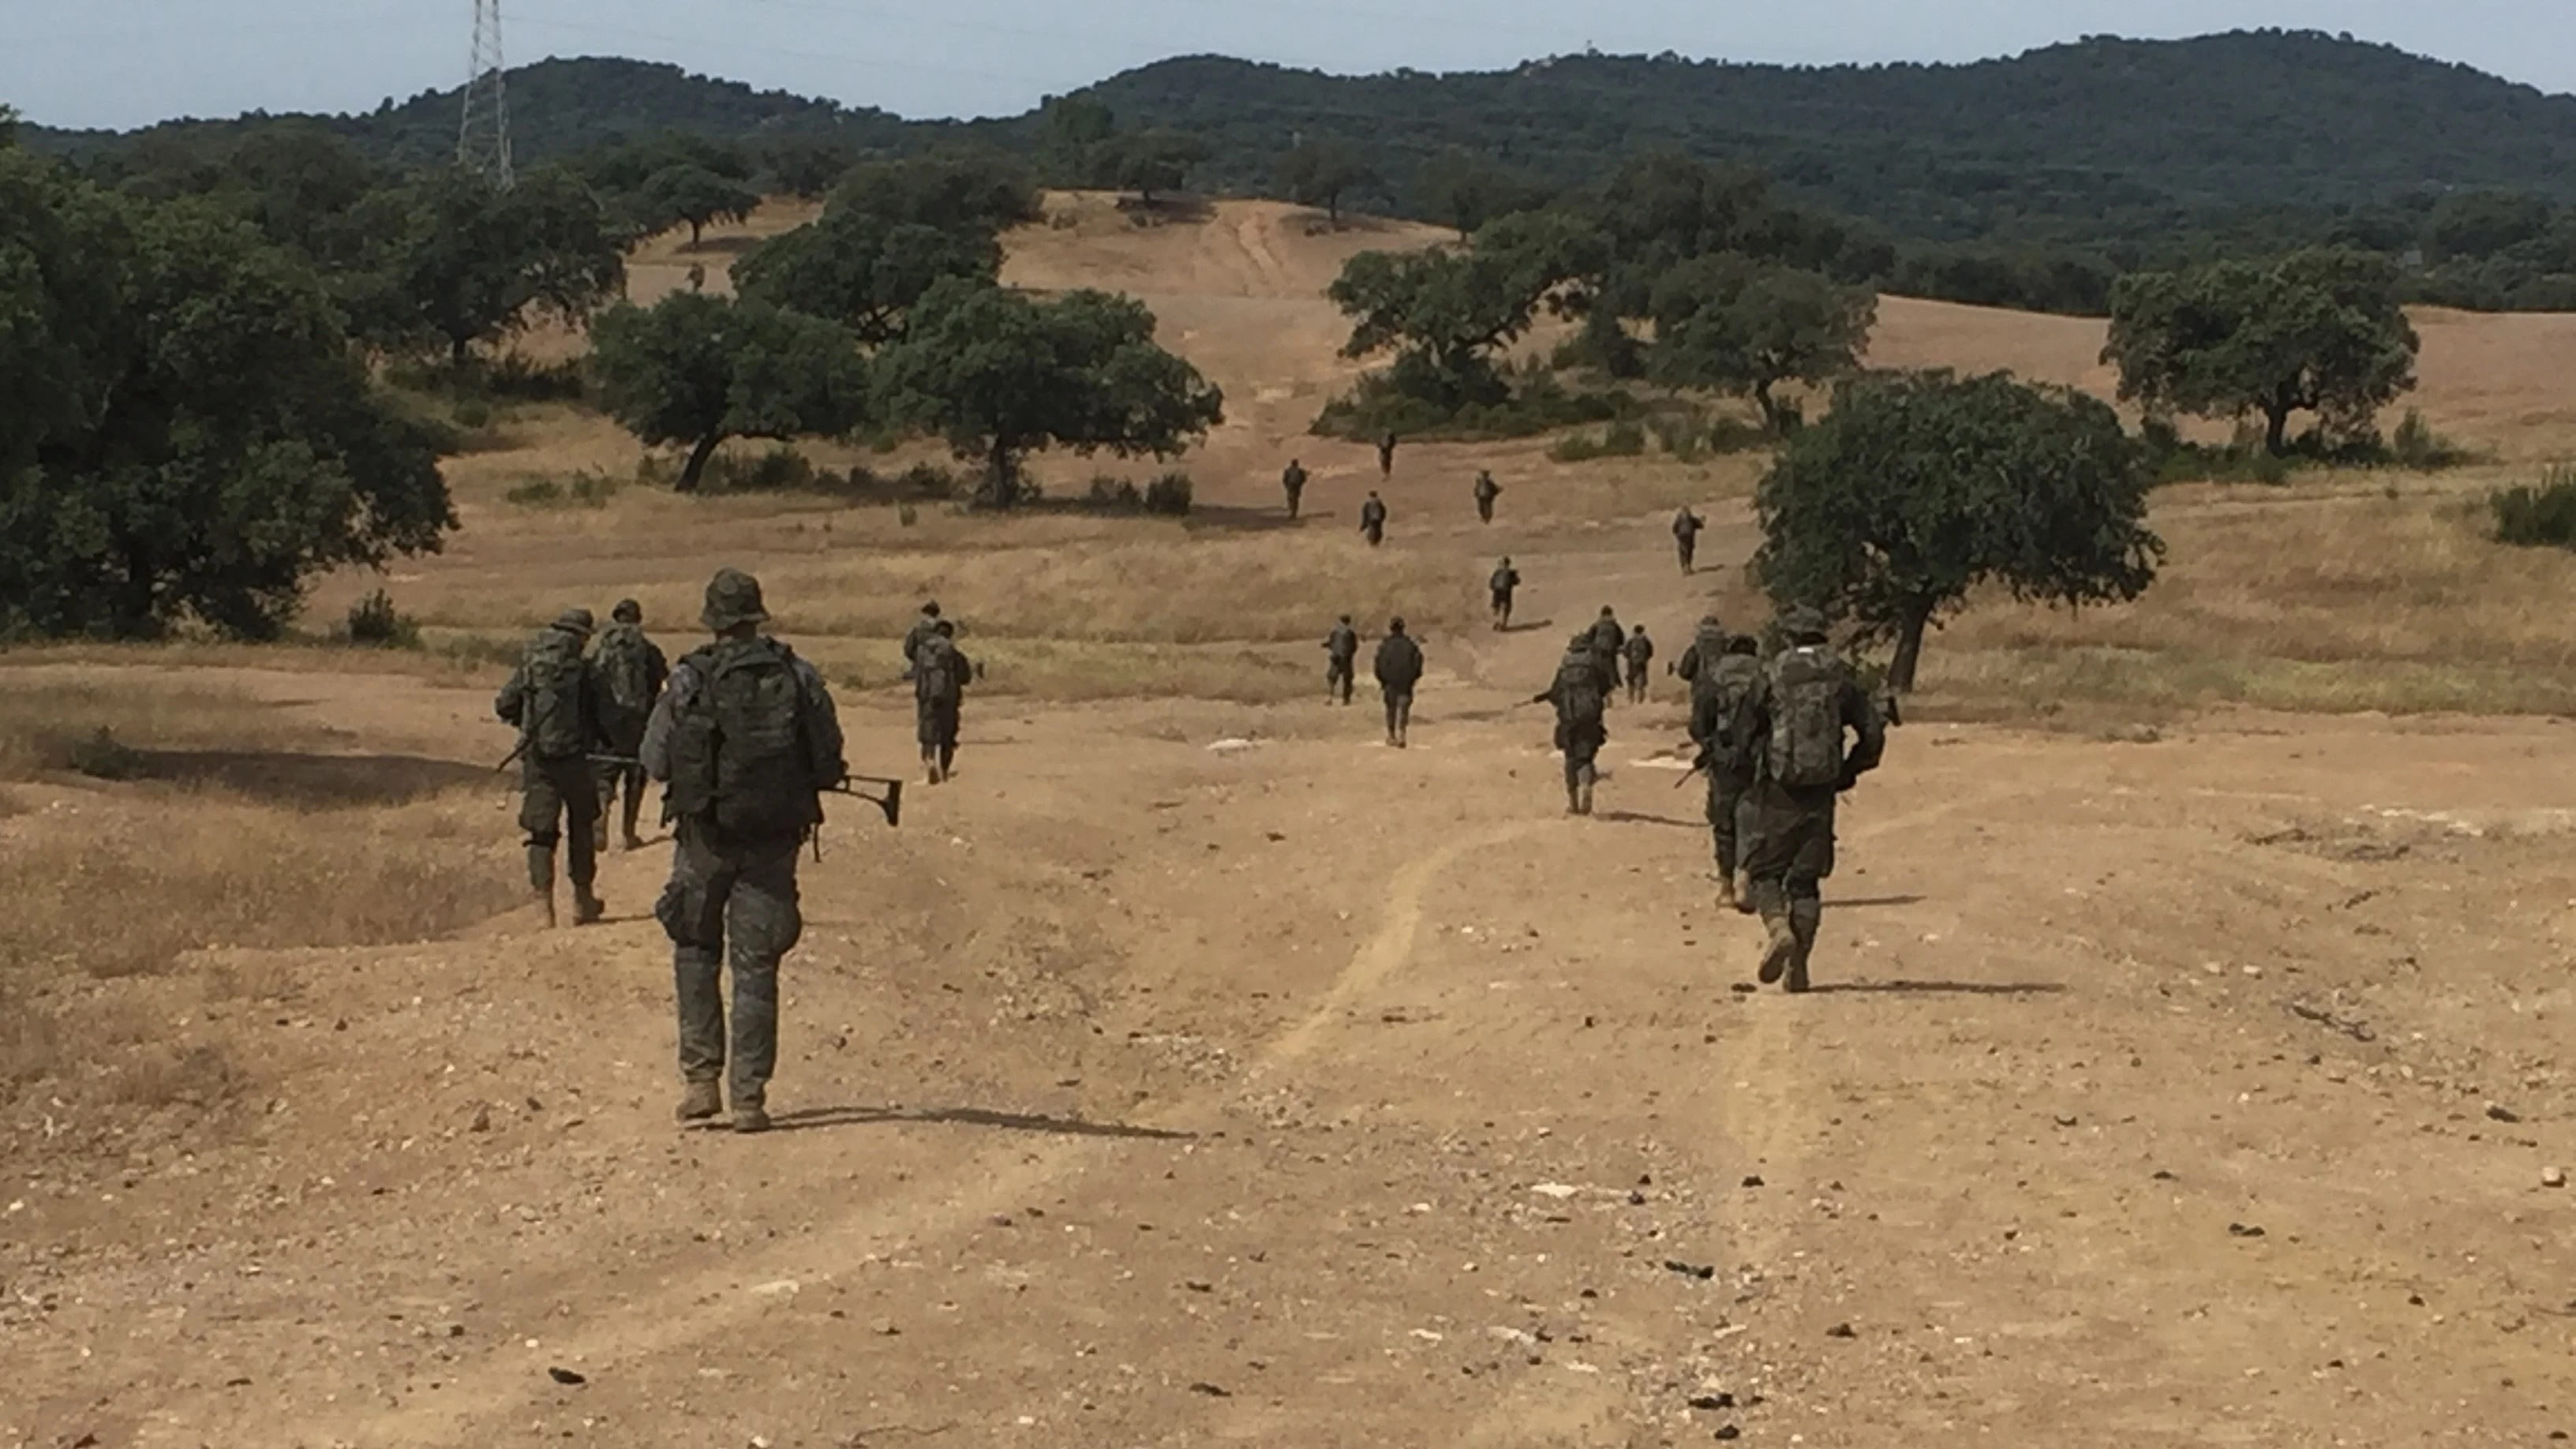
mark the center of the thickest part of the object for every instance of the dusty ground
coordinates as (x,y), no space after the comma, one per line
(2191,1091)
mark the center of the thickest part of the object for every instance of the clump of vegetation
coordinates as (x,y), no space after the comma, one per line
(2537,516)
(1619,440)
(2417,445)
(1687,438)
(375,623)
(102,756)
(585,489)
(1169,496)
(1535,402)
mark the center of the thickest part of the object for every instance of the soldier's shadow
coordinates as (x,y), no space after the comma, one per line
(1631,817)
(1526,626)
(813,1118)
(1904,987)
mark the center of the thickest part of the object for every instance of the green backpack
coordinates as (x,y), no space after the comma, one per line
(554,719)
(1578,690)
(626,668)
(739,753)
(1806,744)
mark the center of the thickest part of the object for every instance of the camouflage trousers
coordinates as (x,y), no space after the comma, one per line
(1399,712)
(559,802)
(1789,855)
(1338,674)
(1582,746)
(614,777)
(1727,808)
(736,903)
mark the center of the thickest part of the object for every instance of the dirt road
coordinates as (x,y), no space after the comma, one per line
(1324,1094)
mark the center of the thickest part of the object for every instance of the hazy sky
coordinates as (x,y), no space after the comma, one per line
(126,62)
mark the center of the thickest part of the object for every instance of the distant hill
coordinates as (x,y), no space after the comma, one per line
(2126,149)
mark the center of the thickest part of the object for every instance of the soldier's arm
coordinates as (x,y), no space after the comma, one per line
(596,702)
(823,740)
(512,702)
(1862,718)
(655,752)
(657,670)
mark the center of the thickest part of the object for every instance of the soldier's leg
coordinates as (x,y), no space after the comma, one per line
(1769,852)
(580,788)
(764,926)
(692,913)
(1815,861)
(634,804)
(1404,719)
(1587,771)
(949,725)
(540,813)
(1389,697)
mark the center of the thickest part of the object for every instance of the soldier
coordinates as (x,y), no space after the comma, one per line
(1639,652)
(1796,720)
(1341,660)
(1386,455)
(1399,669)
(1581,721)
(922,629)
(1373,519)
(1709,646)
(1719,696)
(1686,527)
(1487,490)
(1608,640)
(632,670)
(747,740)
(556,700)
(1505,580)
(1292,481)
(939,675)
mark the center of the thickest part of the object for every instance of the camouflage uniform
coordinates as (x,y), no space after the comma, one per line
(625,719)
(1292,481)
(1608,639)
(1580,734)
(1341,661)
(1386,456)
(1487,490)
(1373,520)
(936,713)
(1686,527)
(1640,654)
(732,896)
(1717,698)
(559,794)
(1398,669)
(1705,649)
(1792,847)
(922,628)
(1504,583)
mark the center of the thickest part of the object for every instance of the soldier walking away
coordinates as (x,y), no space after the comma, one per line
(920,632)
(1487,490)
(1386,456)
(1506,579)
(939,675)
(1707,647)
(1720,695)
(1582,726)
(632,671)
(556,700)
(1639,652)
(1608,640)
(1341,661)
(1399,669)
(1292,481)
(1686,527)
(1373,519)
(1801,711)
(747,740)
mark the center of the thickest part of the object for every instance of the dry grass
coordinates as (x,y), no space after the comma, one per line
(43,728)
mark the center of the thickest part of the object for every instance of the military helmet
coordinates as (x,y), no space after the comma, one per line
(1804,623)
(1395,625)
(627,612)
(574,621)
(733,598)
(930,610)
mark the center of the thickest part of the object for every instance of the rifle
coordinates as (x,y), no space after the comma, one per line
(890,804)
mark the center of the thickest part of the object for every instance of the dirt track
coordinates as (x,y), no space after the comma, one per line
(1145,1095)
(2174,1093)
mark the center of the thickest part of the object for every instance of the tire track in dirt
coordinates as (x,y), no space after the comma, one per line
(699,1306)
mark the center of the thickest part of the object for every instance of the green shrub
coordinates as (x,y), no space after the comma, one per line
(2537,517)
(1619,440)
(375,623)
(1536,402)
(2416,445)
(104,757)
(1113,495)
(1169,496)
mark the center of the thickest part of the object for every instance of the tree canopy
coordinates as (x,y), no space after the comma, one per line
(885,237)
(456,260)
(184,430)
(2317,331)
(1146,162)
(1444,312)
(1920,486)
(1733,325)
(1321,173)
(694,370)
(1001,374)
(694,196)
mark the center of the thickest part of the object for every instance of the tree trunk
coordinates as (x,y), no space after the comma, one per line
(1770,409)
(456,352)
(697,233)
(1333,210)
(2276,428)
(1909,647)
(697,464)
(1002,480)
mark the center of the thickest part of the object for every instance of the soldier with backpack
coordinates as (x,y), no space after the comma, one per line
(1341,661)
(1639,651)
(1373,519)
(1720,694)
(748,741)
(1686,527)
(558,704)
(1608,642)
(1796,720)
(1505,581)
(632,671)
(1399,669)
(921,630)
(1487,490)
(939,674)
(1292,481)
(1707,647)
(1582,726)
